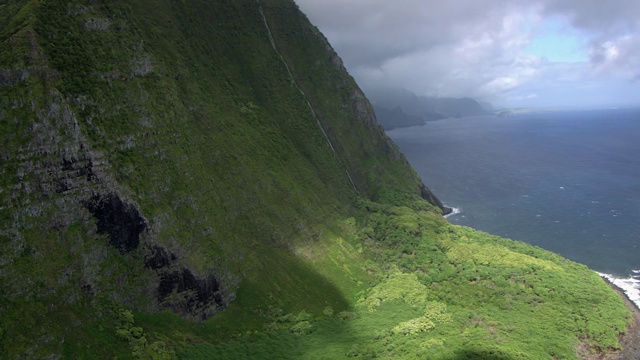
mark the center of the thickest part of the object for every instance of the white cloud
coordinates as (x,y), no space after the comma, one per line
(614,29)
(619,57)
(478,48)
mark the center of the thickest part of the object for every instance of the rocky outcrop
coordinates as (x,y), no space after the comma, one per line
(158,257)
(100,24)
(184,293)
(58,184)
(426,194)
(120,221)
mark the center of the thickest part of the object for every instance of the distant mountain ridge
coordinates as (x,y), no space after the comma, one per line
(400,108)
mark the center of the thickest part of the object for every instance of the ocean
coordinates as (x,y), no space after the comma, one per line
(566,181)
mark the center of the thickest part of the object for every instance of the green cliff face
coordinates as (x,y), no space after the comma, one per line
(204,179)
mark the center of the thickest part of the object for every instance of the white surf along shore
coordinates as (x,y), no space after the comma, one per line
(630,286)
(454,210)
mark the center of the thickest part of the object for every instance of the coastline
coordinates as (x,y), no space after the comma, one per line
(626,289)
(630,340)
(629,286)
(452,211)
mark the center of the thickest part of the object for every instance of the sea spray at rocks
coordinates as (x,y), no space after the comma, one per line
(454,211)
(630,285)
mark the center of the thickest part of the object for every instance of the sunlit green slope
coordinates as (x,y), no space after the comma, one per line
(203,179)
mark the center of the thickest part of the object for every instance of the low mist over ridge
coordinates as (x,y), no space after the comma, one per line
(400,107)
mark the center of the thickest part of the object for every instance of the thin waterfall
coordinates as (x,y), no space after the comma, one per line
(295,83)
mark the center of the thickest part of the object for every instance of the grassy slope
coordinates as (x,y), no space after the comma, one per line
(199,123)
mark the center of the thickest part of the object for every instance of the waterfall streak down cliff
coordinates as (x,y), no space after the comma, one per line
(295,83)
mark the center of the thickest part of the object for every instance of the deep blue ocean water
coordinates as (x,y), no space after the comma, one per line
(567,181)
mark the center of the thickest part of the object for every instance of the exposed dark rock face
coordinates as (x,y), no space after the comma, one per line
(183,292)
(74,172)
(120,221)
(426,194)
(159,258)
(191,296)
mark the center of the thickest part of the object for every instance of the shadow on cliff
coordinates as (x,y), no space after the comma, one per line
(276,314)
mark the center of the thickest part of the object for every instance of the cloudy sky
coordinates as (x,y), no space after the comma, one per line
(512,53)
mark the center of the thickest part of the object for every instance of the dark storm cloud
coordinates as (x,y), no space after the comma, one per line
(607,17)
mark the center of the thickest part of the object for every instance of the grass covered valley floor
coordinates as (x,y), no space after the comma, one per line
(436,291)
(204,180)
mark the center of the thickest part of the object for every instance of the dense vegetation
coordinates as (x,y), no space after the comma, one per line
(203,179)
